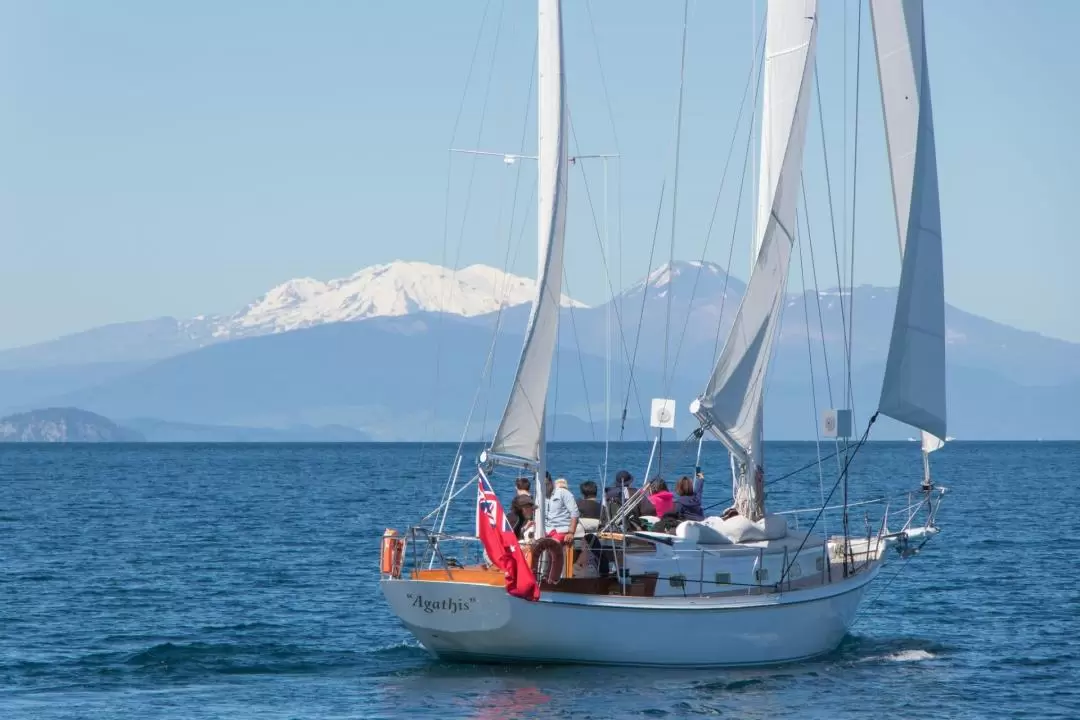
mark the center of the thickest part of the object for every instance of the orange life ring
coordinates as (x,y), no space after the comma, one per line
(393,548)
(554,549)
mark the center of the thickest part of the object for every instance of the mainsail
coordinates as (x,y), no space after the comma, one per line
(731,406)
(520,431)
(913,390)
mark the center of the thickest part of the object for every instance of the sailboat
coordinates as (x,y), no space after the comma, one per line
(755,590)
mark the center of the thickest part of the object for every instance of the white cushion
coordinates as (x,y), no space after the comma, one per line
(739,529)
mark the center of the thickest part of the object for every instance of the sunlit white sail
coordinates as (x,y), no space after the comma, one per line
(731,406)
(930,443)
(913,390)
(520,431)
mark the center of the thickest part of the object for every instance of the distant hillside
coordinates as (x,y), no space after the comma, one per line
(416,378)
(395,370)
(63,425)
(165,431)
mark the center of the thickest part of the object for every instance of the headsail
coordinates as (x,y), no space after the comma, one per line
(930,443)
(913,390)
(731,406)
(521,428)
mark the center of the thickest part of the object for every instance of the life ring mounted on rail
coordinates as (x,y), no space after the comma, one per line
(393,552)
(554,550)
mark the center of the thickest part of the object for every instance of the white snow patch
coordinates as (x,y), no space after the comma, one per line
(389,290)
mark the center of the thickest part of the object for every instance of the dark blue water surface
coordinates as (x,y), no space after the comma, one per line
(239,581)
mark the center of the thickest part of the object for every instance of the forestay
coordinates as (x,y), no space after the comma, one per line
(913,390)
(520,431)
(731,406)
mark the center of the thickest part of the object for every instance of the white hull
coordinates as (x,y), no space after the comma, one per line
(482,623)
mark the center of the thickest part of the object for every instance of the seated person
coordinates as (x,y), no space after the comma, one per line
(688,498)
(619,493)
(513,515)
(588,505)
(526,511)
(686,505)
(661,498)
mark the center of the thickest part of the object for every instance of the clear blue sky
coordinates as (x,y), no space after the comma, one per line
(182,158)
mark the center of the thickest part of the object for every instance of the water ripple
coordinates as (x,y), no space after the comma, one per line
(239,581)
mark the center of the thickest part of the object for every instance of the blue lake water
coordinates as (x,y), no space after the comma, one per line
(240,581)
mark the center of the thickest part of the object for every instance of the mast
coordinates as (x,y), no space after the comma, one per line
(913,389)
(731,406)
(519,439)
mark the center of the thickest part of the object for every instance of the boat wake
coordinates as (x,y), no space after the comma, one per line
(889,650)
(403,649)
(902,656)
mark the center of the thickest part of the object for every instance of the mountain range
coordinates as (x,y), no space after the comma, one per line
(399,351)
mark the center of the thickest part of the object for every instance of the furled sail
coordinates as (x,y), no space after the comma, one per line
(913,390)
(731,406)
(521,428)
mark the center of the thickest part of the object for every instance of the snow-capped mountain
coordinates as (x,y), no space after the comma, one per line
(390,290)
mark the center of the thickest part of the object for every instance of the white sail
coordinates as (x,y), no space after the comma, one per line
(731,406)
(913,390)
(520,432)
(930,443)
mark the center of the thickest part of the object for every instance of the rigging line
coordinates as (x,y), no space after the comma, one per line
(854,197)
(817,291)
(479,137)
(851,280)
(500,293)
(820,314)
(641,317)
(832,215)
(843,475)
(607,230)
(734,235)
(843,173)
(607,276)
(476,397)
(581,361)
(881,591)
(446,216)
(716,205)
(510,245)
(810,358)
(555,390)
(675,206)
(770,483)
(832,211)
(619,307)
(603,79)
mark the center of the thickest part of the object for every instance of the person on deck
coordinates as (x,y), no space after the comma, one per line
(515,516)
(526,514)
(623,481)
(688,498)
(561,511)
(588,506)
(662,499)
(623,490)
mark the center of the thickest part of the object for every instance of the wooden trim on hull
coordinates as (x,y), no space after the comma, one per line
(473,575)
